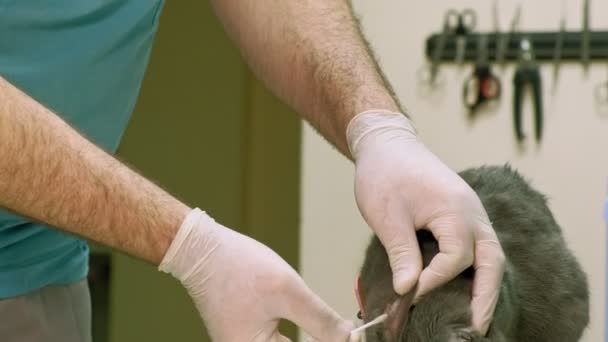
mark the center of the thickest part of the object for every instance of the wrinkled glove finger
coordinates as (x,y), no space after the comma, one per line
(309,312)
(489,269)
(455,255)
(398,237)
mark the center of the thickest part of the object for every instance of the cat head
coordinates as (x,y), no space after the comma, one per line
(443,315)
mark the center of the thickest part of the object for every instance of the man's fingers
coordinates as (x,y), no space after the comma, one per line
(489,269)
(404,255)
(443,268)
(455,255)
(456,241)
(314,316)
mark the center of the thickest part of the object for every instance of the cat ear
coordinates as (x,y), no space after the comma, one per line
(360,297)
(398,314)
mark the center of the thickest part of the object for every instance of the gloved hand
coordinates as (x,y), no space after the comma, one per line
(241,288)
(400,187)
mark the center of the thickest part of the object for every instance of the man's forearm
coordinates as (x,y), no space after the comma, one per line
(312,54)
(50,173)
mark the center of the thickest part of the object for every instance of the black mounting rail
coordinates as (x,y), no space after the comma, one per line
(544,44)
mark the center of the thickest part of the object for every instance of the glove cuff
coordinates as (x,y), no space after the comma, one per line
(191,247)
(375,121)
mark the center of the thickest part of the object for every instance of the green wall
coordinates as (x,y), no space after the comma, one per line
(208,132)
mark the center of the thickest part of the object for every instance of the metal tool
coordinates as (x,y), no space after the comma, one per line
(527,74)
(586,40)
(496,20)
(461,24)
(503,42)
(431,76)
(482,86)
(559,46)
(453,22)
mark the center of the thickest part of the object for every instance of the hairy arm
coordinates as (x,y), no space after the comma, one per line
(313,55)
(50,173)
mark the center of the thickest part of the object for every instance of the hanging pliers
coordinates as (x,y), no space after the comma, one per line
(527,74)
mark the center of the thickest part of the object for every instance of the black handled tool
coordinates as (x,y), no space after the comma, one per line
(482,86)
(527,74)
(503,42)
(430,77)
(559,46)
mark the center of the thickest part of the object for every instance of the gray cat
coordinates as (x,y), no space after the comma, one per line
(544,295)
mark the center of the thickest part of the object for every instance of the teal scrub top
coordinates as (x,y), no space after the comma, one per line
(85,60)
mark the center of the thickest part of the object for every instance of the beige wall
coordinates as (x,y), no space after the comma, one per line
(570,166)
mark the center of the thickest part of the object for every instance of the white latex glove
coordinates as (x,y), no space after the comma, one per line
(400,187)
(241,288)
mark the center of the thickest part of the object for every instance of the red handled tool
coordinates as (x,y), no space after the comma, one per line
(482,86)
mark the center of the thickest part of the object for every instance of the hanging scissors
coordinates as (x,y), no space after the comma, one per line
(461,24)
(454,23)
(482,86)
